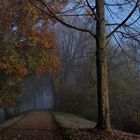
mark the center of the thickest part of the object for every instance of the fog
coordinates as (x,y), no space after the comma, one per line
(38,94)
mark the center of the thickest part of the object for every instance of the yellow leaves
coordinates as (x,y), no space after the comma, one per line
(32,49)
(11,62)
(3,66)
(43,55)
(33,41)
(32,11)
(40,71)
(49,62)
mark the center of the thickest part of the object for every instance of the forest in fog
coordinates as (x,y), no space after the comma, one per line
(76,84)
(80,57)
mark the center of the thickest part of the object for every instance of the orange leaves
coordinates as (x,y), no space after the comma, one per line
(21,70)
(3,66)
(45,49)
(50,63)
(7,102)
(11,62)
(34,43)
(29,46)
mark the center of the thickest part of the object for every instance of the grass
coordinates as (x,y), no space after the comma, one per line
(10,122)
(77,128)
(68,120)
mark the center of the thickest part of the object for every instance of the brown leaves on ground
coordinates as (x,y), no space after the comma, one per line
(94,134)
(40,125)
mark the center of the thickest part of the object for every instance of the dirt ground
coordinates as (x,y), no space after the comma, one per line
(41,125)
(94,134)
(38,125)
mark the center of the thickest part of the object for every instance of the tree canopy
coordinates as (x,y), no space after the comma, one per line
(27,47)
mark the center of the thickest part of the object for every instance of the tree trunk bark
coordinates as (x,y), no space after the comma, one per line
(102,72)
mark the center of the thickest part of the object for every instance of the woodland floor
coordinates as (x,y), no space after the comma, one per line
(41,125)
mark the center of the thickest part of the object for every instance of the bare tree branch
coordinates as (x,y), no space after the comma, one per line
(125,20)
(52,15)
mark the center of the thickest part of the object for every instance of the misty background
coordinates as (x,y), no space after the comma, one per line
(74,88)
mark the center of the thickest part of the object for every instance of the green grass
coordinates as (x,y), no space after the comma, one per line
(68,120)
(10,122)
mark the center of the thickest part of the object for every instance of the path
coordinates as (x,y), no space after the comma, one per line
(37,125)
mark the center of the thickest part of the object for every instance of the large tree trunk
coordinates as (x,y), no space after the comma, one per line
(102,72)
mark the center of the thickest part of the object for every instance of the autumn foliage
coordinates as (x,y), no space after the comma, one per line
(27,47)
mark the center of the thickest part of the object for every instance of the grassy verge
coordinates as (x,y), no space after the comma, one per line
(67,120)
(10,122)
(78,128)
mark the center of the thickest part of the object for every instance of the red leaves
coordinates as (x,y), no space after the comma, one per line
(29,46)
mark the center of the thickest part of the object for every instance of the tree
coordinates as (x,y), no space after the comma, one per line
(73,53)
(27,48)
(118,29)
